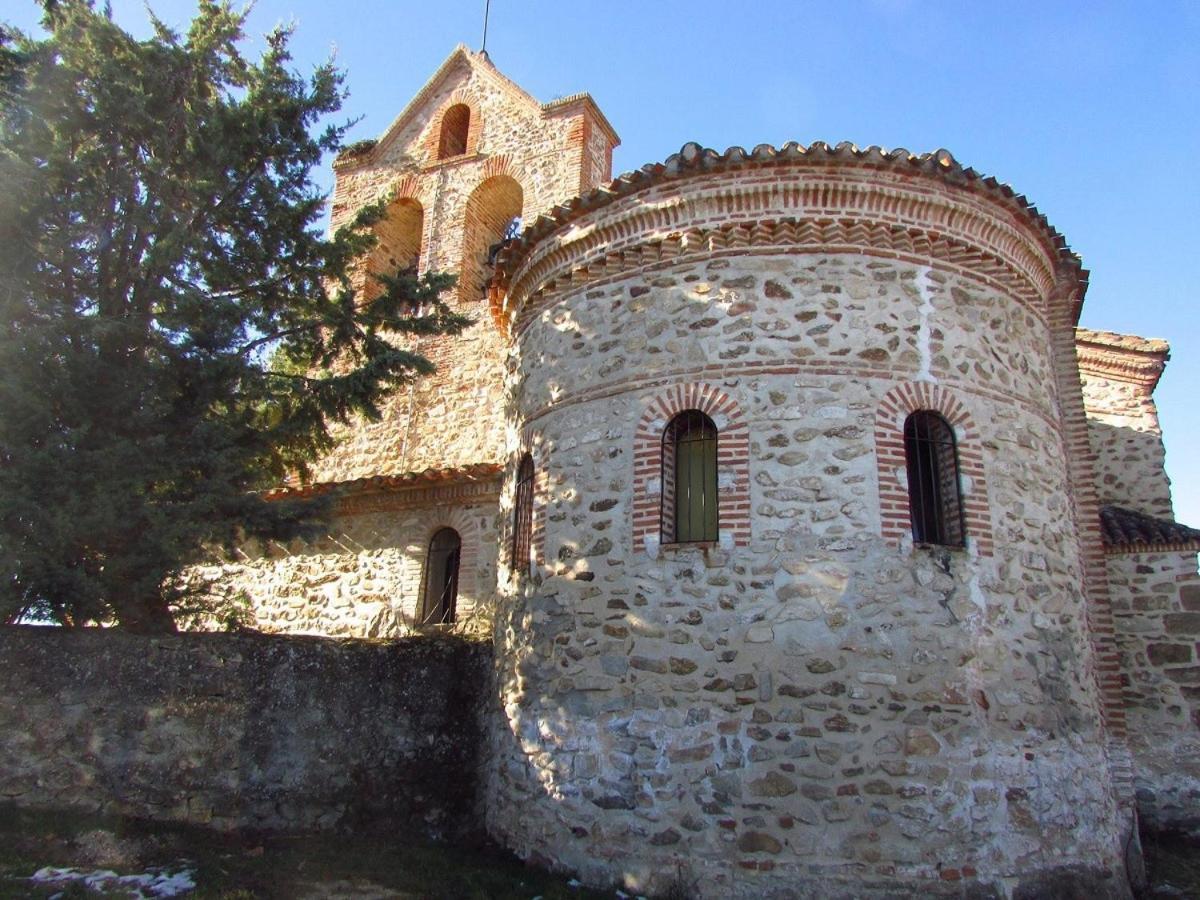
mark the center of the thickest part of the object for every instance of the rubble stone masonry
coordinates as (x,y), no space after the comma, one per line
(821,706)
(810,704)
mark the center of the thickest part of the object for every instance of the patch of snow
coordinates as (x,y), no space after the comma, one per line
(154,883)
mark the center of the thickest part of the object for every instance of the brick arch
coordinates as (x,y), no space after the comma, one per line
(474,127)
(496,197)
(733,462)
(469,581)
(504,164)
(896,406)
(406,187)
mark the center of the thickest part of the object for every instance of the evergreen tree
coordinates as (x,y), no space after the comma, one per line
(176,331)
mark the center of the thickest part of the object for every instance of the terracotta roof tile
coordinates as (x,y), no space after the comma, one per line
(1126,530)
(694,159)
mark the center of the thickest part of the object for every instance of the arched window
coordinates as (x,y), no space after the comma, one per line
(399,247)
(934,491)
(523,516)
(441,577)
(689,479)
(493,216)
(456,123)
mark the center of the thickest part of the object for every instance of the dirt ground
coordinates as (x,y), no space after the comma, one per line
(176,860)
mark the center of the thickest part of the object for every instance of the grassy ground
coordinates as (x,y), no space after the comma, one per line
(263,867)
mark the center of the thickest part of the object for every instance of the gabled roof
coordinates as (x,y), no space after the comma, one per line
(459,58)
(1130,531)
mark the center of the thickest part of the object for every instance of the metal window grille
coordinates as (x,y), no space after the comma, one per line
(441,578)
(934,489)
(523,516)
(689,479)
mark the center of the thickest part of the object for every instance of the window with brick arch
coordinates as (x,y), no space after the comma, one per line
(522,537)
(441,578)
(934,486)
(399,247)
(456,123)
(493,216)
(689,479)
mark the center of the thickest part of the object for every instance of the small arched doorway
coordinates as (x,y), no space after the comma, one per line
(441,578)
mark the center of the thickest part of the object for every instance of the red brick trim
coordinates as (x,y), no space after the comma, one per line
(474,128)
(477,207)
(503,164)
(1080,462)
(733,461)
(895,407)
(465,524)
(406,187)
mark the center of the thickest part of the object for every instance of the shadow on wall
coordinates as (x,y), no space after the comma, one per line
(1129,468)
(245,731)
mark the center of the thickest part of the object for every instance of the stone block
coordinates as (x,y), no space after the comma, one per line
(1166,654)
(1182,624)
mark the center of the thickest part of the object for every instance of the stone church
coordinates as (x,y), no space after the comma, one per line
(821,550)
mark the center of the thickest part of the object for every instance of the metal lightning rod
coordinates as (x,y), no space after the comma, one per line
(487,8)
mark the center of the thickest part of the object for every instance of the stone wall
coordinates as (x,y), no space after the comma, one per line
(244,731)
(1119,373)
(810,703)
(822,703)
(365,578)
(546,153)
(1156,604)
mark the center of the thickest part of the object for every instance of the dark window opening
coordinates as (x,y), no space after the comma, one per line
(523,516)
(934,488)
(441,578)
(689,479)
(511,232)
(456,123)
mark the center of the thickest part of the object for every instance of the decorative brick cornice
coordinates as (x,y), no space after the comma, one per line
(1121,357)
(816,199)
(893,409)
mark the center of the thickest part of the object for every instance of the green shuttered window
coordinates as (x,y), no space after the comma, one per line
(689,479)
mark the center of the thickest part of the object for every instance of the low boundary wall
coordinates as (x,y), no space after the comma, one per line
(245,730)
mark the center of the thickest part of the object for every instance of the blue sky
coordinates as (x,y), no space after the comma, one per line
(1092,110)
